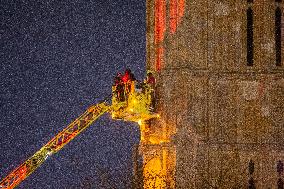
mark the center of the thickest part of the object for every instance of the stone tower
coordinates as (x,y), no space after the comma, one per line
(220,93)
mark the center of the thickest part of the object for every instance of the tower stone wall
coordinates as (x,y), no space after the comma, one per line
(217,113)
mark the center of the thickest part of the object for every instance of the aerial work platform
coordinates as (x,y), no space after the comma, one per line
(136,106)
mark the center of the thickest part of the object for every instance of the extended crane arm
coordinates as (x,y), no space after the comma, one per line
(53,146)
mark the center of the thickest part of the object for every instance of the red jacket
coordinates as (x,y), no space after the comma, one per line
(126,77)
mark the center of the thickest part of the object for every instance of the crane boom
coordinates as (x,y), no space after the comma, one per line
(136,106)
(54,145)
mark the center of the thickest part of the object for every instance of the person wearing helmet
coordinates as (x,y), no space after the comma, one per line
(126,76)
(117,79)
(150,80)
(129,81)
(119,88)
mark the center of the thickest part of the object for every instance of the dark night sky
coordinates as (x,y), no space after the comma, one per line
(57,58)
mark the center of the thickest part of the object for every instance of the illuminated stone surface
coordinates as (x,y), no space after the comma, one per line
(216,112)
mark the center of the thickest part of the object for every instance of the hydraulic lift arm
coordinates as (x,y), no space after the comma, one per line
(135,107)
(54,145)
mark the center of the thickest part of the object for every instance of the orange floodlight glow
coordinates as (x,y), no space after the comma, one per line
(160,20)
(159,58)
(176,14)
